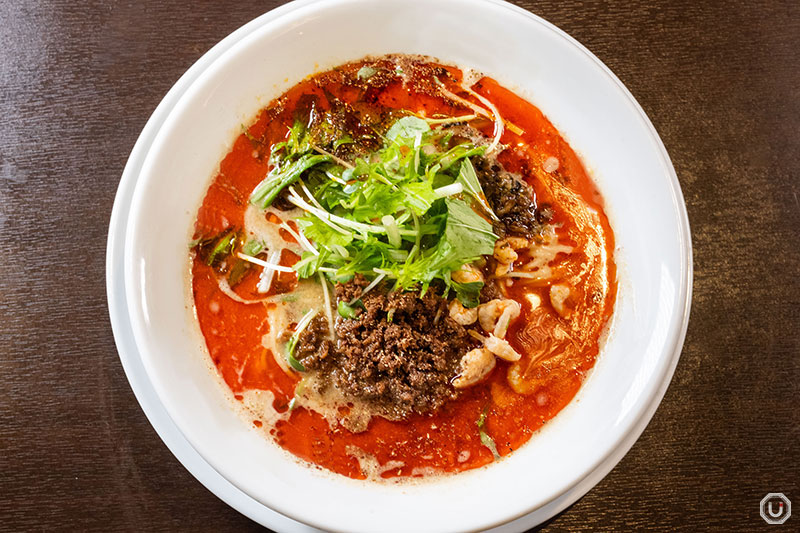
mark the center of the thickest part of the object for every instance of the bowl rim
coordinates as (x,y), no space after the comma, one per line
(647,408)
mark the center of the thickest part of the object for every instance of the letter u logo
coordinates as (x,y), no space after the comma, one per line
(774,514)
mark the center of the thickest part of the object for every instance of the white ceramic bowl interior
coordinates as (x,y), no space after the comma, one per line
(598,117)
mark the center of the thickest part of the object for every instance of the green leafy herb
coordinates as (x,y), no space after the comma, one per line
(458,153)
(310,263)
(407,128)
(281,177)
(404,212)
(350,310)
(469,235)
(346,310)
(468,293)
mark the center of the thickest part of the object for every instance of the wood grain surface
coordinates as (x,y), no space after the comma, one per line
(78,80)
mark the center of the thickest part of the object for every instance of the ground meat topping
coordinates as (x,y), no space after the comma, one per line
(511,199)
(314,344)
(399,354)
(490,291)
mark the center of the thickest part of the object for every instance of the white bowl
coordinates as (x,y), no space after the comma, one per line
(596,115)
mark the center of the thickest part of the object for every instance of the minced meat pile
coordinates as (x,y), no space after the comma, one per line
(399,353)
(511,199)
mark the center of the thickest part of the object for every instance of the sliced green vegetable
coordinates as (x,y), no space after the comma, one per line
(486,440)
(295,364)
(237,272)
(253,248)
(223,248)
(240,267)
(344,140)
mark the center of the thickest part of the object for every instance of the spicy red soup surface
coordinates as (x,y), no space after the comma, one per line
(558,347)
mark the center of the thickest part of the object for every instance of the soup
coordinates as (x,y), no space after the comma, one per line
(401,269)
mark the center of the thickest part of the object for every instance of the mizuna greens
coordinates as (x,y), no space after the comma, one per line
(411,212)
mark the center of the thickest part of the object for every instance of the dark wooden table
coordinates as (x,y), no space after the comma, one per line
(721,83)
